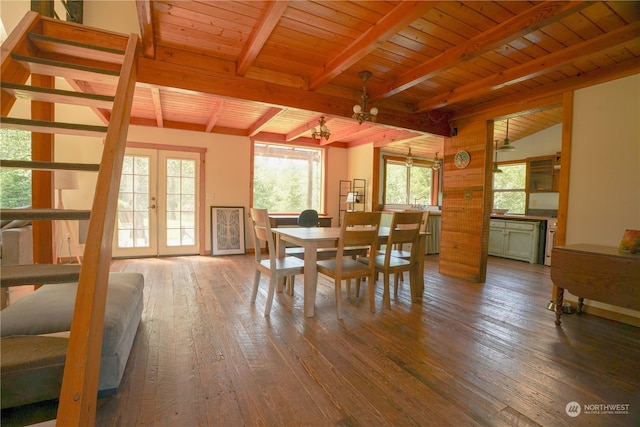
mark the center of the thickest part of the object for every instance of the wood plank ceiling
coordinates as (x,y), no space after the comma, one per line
(270,69)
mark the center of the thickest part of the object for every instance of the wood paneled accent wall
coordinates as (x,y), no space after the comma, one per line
(466,203)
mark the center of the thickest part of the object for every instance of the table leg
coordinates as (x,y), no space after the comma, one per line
(281,245)
(310,278)
(580,304)
(559,301)
(417,272)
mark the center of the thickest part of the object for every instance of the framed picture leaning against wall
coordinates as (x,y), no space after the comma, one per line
(227,230)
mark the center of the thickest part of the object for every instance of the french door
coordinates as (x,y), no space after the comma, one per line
(157,204)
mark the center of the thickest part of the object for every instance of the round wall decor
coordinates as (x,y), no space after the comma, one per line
(462,159)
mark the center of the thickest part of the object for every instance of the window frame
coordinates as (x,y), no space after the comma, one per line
(322,209)
(394,159)
(523,190)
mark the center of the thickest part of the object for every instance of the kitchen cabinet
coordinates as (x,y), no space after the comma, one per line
(542,176)
(514,239)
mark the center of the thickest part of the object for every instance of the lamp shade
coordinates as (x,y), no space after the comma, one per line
(66,180)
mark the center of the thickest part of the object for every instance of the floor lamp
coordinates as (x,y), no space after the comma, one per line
(65,180)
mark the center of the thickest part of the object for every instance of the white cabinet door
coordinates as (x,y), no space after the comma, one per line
(496,238)
(514,239)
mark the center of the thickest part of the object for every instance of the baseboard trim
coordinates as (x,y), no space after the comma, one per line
(608,314)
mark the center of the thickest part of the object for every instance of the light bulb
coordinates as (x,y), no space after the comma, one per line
(374,111)
(357,109)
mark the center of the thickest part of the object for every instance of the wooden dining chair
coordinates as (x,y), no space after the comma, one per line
(276,268)
(359,229)
(405,229)
(306,218)
(400,251)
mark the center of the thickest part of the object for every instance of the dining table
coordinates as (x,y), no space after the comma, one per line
(313,238)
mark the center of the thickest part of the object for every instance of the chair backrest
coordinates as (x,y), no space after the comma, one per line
(308,218)
(425,221)
(359,229)
(405,228)
(262,234)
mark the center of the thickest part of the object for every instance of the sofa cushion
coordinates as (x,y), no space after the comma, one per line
(50,309)
(32,368)
(16,223)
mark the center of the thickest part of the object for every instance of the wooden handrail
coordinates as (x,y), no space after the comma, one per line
(80,382)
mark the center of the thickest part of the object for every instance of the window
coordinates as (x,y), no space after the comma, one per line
(287,179)
(509,190)
(15,184)
(407,186)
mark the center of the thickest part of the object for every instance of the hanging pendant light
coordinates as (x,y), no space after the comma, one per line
(436,163)
(360,112)
(506,146)
(409,159)
(322,131)
(495,163)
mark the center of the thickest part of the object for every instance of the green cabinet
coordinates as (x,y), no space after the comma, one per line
(514,239)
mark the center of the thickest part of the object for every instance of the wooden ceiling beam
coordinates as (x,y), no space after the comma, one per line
(157,106)
(84,87)
(530,20)
(263,122)
(350,132)
(392,23)
(545,64)
(215,114)
(513,102)
(280,139)
(272,13)
(386,137)
(145,19)
(178,76)
(301,130)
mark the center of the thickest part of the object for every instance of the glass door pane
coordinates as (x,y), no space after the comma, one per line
(179,211)
(135,226)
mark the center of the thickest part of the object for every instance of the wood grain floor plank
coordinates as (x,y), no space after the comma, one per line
(467,354)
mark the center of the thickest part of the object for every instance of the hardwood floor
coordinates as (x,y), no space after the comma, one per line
(470,354)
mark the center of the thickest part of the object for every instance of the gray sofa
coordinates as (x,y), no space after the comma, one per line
(16,242)
(35,333)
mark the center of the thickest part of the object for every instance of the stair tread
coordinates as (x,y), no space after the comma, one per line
(70,70)
(74,48)
(45,214)
(36,93)
(44,126)
(38,165)
(39,274)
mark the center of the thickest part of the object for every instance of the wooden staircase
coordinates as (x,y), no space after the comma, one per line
(83,56)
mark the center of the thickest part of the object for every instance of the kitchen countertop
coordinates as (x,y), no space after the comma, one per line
(523,217)
(437,212)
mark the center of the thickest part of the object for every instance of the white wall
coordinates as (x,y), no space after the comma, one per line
(544,143)
(361,167)
(604,192)
(114,15)
(604,189)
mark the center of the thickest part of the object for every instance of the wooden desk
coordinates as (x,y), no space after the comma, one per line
(600,273)
(327,237)
(289,220)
